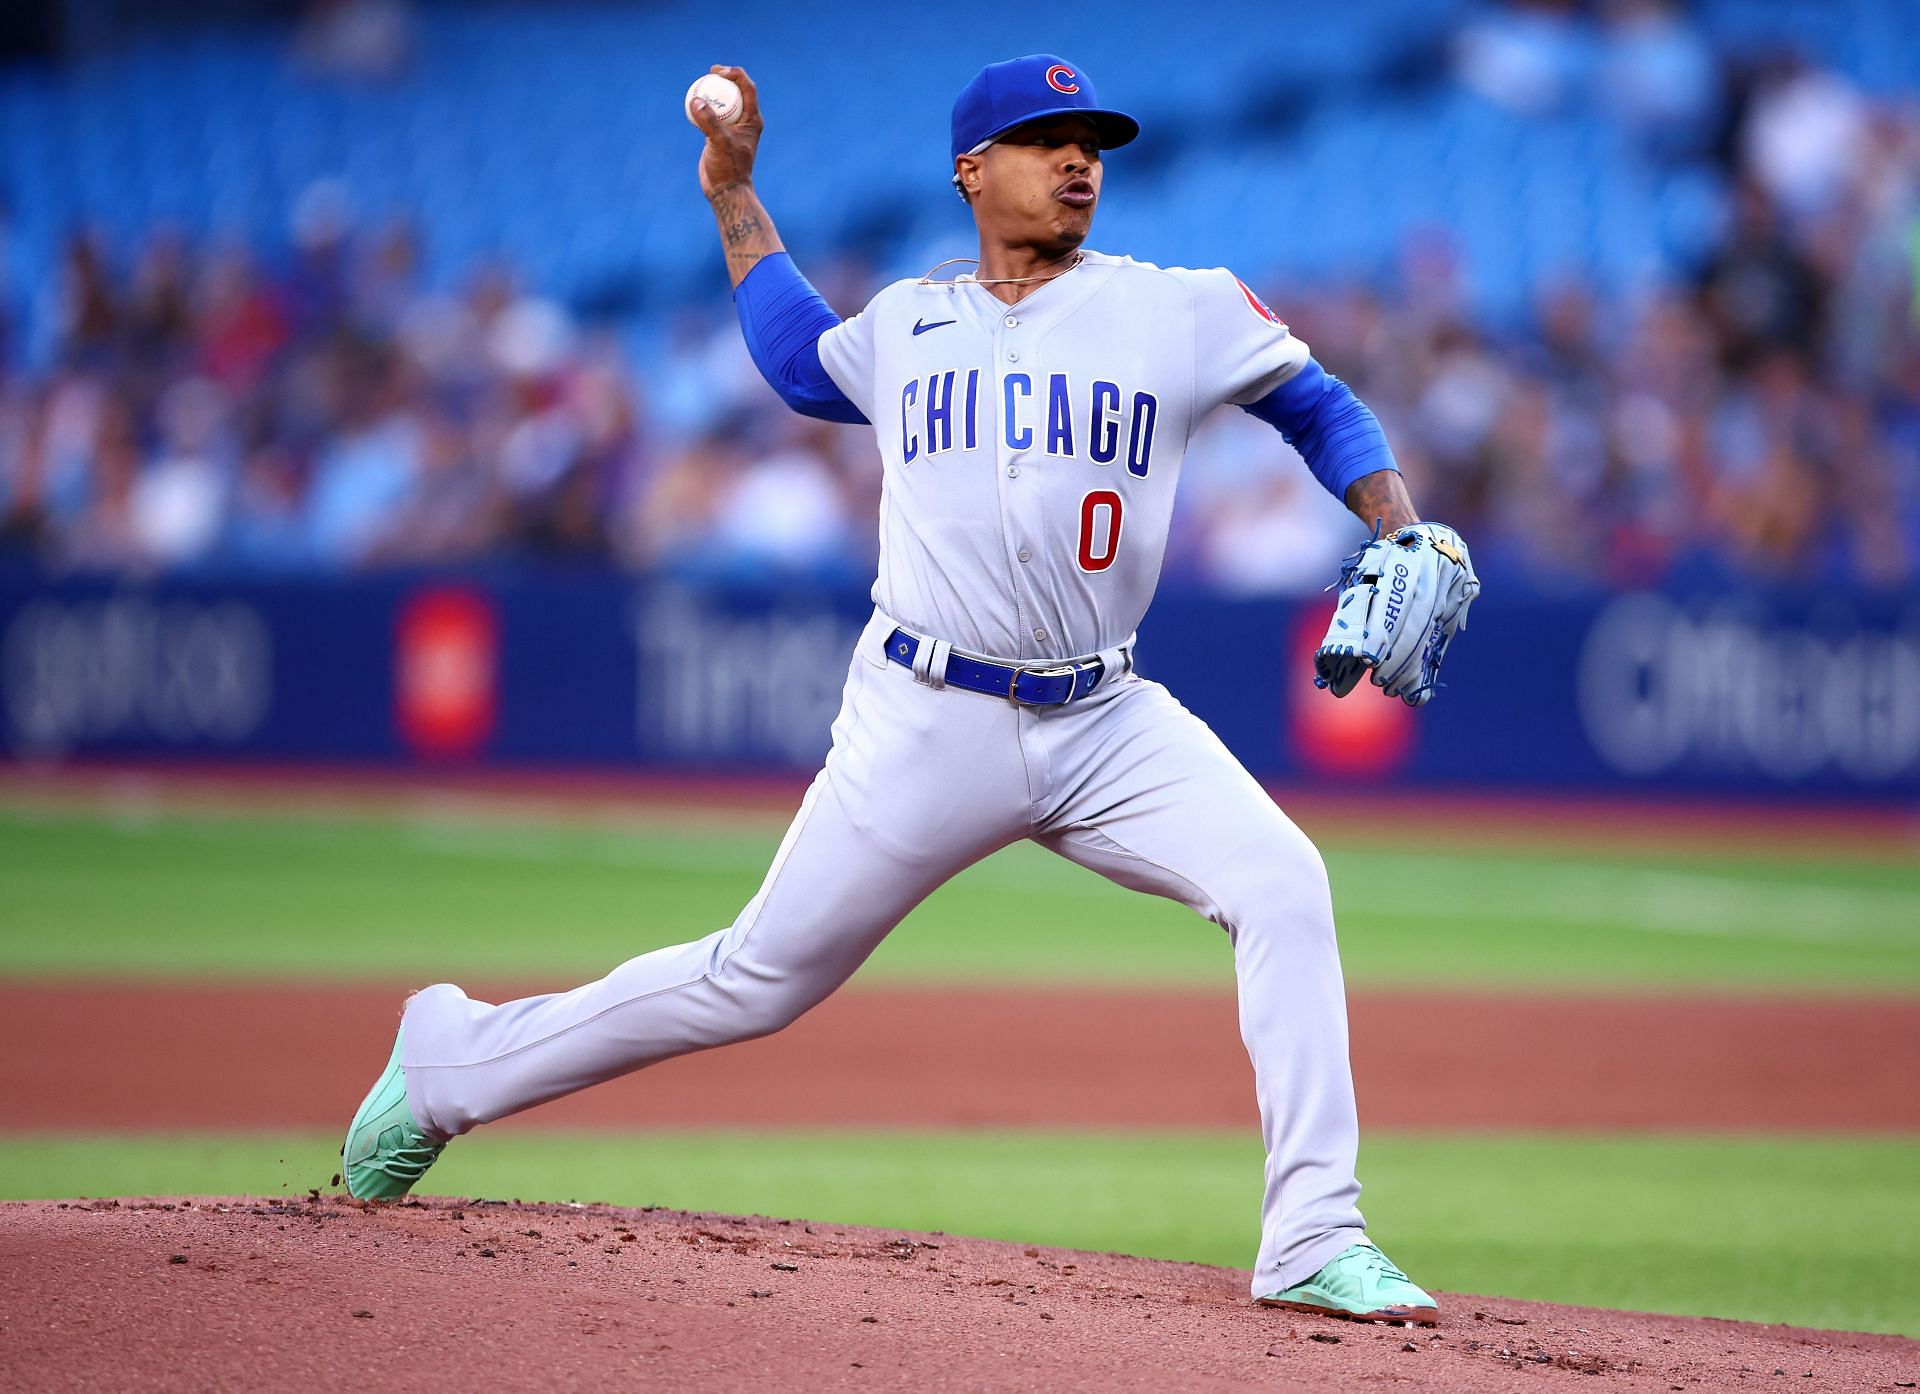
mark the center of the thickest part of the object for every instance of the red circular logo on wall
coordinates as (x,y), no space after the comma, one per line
(446,671)
(1363,733)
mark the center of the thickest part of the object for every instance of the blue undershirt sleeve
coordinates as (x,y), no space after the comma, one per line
(1332,429)
(783,317)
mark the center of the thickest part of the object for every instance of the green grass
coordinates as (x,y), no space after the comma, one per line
(409,896)
(473,897)
(1814,1232)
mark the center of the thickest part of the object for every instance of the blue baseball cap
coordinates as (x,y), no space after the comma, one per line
(1004,95)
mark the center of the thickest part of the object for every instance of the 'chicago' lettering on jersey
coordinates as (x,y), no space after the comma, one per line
(1049,415)
(926,414)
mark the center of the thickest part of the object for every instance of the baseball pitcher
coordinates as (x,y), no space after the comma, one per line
(1031,415)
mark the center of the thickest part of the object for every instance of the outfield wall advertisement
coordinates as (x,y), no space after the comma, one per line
(1727,694)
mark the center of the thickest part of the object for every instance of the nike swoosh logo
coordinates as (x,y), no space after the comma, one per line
(919,328)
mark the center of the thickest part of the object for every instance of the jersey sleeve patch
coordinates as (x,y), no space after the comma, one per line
(1258,305)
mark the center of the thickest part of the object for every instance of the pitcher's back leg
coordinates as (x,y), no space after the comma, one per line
(874,836)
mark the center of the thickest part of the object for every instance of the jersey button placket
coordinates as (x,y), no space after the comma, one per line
(1014,505)
(1025,519)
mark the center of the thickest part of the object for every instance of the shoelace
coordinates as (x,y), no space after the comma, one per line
(1383,1265)
(411,1163)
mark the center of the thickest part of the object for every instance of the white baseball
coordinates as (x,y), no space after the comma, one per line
(721,93)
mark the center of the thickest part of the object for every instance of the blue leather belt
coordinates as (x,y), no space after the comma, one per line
(1024,687)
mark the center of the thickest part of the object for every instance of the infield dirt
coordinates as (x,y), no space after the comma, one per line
(79,1057)
(329,1294)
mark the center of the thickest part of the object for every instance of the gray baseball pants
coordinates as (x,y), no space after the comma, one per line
(919,784)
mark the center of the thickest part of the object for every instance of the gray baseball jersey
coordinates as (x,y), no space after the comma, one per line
(1031,453)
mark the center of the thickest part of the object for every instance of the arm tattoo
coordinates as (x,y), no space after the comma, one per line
(1382,496)
(746,232)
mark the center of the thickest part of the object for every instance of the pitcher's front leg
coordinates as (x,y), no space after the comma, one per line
(1269,891)
(1293,1019)
(1153,800)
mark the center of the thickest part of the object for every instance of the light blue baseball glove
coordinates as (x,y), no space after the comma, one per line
(1402,599)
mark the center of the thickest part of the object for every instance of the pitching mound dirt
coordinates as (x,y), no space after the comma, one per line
(329,1294)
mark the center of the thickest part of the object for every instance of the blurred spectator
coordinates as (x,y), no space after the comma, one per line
(267,530)
(1760,289)
(364,476)
(104,533)
(179,500)
(86,317)
(784,512)
(1252,519)
(1806,131)
(240,325)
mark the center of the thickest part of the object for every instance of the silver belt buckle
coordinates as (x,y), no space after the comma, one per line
(1063,670)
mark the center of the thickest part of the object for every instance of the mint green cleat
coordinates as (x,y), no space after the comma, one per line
(386,1152)
(1360,1284)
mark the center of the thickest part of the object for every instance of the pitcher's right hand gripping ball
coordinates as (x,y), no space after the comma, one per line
(732,142)
(722,96)
(1402,599)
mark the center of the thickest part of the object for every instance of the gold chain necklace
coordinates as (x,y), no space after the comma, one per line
(928,279)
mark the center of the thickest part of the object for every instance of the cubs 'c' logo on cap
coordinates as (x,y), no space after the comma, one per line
(1060,79)
(1259,305)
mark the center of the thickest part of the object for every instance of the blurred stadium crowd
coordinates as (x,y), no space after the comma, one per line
(201,402)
